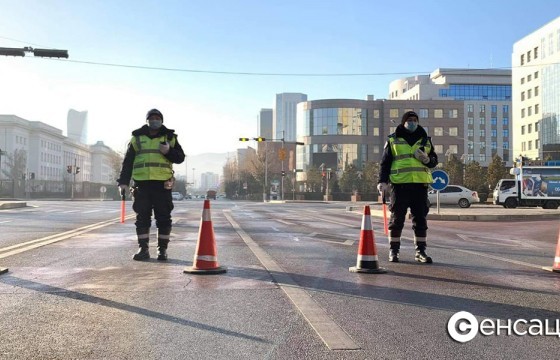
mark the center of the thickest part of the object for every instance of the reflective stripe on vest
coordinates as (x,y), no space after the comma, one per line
(405,168)
(149,162)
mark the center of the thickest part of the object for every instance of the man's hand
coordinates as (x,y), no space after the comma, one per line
(164,148)
(422,156)
(123,188)
(382,187)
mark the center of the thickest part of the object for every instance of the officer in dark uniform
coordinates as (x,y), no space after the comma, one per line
(406,162)
(149,160)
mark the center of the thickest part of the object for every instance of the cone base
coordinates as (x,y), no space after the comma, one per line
(193,270)
(3,270)
(550,268)
(356,269)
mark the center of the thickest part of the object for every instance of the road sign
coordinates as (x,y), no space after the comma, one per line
(281,154)
(103,189)
(440,180)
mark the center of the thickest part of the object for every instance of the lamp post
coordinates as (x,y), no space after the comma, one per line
(193,182)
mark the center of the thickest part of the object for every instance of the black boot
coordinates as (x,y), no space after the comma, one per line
(394,252)
(421,255)
(163,241)
(143,240)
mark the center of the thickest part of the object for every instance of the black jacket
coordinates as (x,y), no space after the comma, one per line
(411,139)
(175,154)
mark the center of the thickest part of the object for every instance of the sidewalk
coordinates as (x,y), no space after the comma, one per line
(477,212)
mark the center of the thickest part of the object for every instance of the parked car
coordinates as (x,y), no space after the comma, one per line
(176,195)
(454,195)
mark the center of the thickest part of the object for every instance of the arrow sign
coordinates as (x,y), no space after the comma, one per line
(440,180)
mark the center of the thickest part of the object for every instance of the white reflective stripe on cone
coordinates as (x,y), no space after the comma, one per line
(557,259)
(367,257)
(206,215)
(206,257)
(366,222)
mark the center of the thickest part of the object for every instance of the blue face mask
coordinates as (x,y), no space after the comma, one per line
(411,126)
(155,124)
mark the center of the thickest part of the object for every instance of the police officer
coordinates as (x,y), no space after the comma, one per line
(406,162)
(149,160)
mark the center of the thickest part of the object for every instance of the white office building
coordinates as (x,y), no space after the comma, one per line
(284,124)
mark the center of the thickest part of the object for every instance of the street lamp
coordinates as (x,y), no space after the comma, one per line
(193,182)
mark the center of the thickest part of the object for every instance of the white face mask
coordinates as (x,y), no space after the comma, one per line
(155,124)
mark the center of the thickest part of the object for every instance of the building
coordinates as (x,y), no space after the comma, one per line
(209,180)
(487,102)
(285,114)
(338,133)
(536,93)
(76,124)
(265,123)
(106,162)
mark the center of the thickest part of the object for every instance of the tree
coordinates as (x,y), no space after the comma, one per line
(496,171)
(370,177)
(350,179)
(16,164)
(314,179)
(454,168)
(475,177)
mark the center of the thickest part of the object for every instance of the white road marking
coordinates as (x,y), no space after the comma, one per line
(499,258)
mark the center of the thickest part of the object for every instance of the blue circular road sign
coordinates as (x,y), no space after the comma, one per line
(441,180)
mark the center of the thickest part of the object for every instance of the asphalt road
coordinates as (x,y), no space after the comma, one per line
(73,292)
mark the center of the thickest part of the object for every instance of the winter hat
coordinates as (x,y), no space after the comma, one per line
(408,114)
(154,112)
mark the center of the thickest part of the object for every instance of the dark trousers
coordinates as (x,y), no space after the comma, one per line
(403,197)
(152,196)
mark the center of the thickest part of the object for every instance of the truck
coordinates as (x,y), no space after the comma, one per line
(532,186)
(211,194)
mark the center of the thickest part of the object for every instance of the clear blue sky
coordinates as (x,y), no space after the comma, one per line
(385,39)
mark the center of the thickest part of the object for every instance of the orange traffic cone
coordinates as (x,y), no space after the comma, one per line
(205,256)
(367,252)
(556,266)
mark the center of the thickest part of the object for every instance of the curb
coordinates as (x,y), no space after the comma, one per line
(12,205)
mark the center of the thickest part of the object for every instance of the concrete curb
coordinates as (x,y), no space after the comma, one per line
(12,205)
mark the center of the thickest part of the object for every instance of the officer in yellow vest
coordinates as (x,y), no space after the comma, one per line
(406,162)
(149,160)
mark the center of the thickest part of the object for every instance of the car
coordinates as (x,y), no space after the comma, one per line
(454,195)
(176,195)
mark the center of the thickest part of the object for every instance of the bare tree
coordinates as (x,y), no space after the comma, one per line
(16,164)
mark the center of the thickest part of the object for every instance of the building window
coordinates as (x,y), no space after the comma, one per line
(536,109)
(505,145)
(537,144)
(376,114)
(523,130)
(494,145)
(470,108)
(523,96)
(375,131)
(470,121)
(494,121)
(529,111)
(522,113)
(536,91)
(394,113)
(505,133)
(529,77)
(522,80)
(529,93)
(536,74)
(438,131)
(529,145)
(536,53)
(529,128)
(423,113)
(453,113)
(376,149)
(505,109)
(494,133)
(482,133)
(438,113)
(482,121)
(438,149)
(482,157)
(482,109)
(505,121)
(470,133)
(493,109)
(537,126)
(453,149)
(528,56)
(522,59)
(392,129)
(453,131)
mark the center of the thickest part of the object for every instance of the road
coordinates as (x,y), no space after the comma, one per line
(73,292)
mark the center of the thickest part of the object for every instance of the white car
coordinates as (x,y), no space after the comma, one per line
(176,195)
(454,195)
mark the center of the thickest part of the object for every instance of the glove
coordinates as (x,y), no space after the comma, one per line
(382,187)
(123,188)
(164,148)
(421,156)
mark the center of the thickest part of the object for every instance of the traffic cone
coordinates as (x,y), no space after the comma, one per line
(367,261)
(556,266)
(3,270)
(205,256)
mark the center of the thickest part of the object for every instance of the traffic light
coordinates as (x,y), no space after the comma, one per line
(244,139)
(77,169)
(69,169)
(283,173)
(12,52)
(51,53)
(260,139)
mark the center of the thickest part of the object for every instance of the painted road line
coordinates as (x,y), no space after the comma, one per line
(500,258)
(334,337)
(33,244)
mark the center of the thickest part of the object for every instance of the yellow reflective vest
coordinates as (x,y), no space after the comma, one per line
(149,162)
(405,168)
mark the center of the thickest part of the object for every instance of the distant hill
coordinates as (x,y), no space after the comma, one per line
(207,162)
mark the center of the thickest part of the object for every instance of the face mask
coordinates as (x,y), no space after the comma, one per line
(411,126)
(154,124)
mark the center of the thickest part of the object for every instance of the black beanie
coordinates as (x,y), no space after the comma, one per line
(154,112)
(408,114)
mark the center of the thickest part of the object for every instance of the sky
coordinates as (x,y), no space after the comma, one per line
(210,66)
